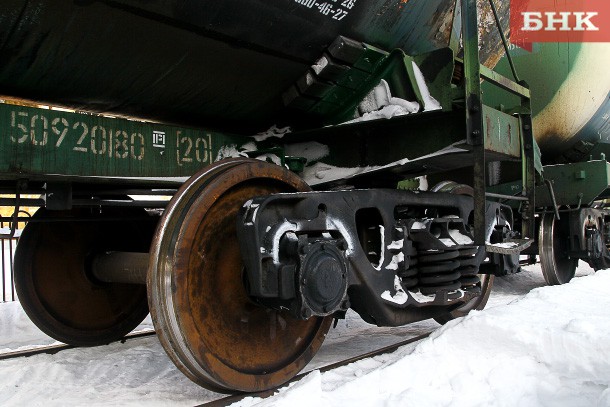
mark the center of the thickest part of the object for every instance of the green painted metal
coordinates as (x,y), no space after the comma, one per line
(502,133)
(504,83)
(411,184)
(570,102)
(37,142)
(340,98)
(576,183)
(475,134)
(545,70)
(530,155)
(415,139)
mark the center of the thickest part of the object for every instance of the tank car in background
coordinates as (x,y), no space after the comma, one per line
(571,118)
(268,236)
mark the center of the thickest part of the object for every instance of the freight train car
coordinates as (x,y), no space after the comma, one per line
(571,119)
(296,139)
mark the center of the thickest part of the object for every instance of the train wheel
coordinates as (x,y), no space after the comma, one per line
(557,267)
(204,318)
(487,280)
(55,287)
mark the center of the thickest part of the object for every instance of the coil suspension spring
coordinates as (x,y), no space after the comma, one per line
(438,271)
(430,269)
(448,271)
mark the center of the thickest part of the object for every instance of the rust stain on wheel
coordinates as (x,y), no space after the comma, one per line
(53,282)
(205,320)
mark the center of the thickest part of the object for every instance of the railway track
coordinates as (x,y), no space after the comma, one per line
(54,349)
(233,398)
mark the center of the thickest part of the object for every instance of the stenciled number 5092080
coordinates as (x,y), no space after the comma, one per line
(40,130)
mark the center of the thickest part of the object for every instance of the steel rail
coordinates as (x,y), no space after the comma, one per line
(233,398)
(54,349)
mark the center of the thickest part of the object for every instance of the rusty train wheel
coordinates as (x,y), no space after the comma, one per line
(487,280)
(55,287)
(203,316)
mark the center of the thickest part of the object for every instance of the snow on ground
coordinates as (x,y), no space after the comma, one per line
(548,346)
(7,246)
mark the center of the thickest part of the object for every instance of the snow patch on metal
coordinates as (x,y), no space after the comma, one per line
(311,151)
(459,237)
(400,298)
(396,260)
(273,131)
(429,102)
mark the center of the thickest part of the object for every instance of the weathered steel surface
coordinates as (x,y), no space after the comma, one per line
(121,267)
(204,318)
(213,63)
(502,132)
(52,280)
(36,142)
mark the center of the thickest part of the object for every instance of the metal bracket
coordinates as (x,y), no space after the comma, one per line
(528,227)
(510,246)
(549,185)
(58,196)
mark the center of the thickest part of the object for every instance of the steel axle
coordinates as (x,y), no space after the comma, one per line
(120,267)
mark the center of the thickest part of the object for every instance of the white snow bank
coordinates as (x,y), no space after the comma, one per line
(550,348)
(17,332)
(139,372)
